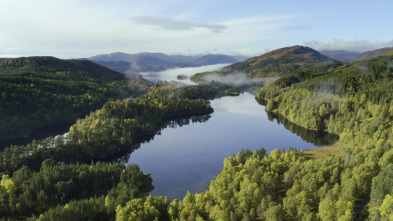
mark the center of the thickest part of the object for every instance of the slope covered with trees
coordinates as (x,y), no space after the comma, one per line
(56,172)
(352,100)
(38,92)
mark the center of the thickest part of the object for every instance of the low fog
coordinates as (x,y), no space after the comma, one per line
(238,79)
(171,74)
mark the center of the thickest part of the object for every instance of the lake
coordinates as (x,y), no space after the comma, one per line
(189,157)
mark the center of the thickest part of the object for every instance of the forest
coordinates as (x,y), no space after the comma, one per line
(351,100)
(39,92)
(47,179)
(80,170)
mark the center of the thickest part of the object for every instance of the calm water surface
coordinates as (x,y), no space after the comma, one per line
(189,157)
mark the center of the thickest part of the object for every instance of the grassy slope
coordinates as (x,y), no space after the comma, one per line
(335,149)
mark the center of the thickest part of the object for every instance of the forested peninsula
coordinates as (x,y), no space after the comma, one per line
(39,92)
(75,177)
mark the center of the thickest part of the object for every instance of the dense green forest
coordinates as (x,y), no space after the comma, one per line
(38,92)
(53,170)
(351,100)
(117,127)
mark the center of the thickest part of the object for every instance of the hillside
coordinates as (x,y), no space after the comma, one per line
(354,101)
(351,182)
(38,92)
(152,62)
(372,54)
(340,55)
(389,53)
(280,62)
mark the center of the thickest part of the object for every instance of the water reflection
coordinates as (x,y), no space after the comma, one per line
(319,138)
(179,122)
(127,149)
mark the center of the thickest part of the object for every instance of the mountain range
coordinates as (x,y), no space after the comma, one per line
(151,62)
(273,63)
(340,55)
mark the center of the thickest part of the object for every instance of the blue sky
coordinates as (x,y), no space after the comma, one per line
(82,28)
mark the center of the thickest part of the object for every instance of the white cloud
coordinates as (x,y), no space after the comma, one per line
(173,24)
(355,45)
(259,19)
(297,28)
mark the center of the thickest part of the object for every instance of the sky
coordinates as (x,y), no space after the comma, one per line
(84,28)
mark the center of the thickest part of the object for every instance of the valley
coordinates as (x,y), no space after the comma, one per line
(167,139)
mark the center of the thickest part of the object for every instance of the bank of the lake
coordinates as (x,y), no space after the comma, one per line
(189,157)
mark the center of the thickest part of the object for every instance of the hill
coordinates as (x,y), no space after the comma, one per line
(280,62)
(340,55)
(39,92)
(151,62)
(372,54)
(389,53)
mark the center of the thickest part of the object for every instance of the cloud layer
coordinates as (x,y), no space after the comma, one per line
(172,24)
(355,45)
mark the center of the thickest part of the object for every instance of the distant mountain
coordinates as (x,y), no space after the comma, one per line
(280,62)
(372,54)
(119,66)
(118,56)
(151,62)
(214,59)
(340,55)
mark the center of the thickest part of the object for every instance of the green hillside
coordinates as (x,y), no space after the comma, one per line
(39,92)
(47,176)
(280,62)
(389,53)
(351,180)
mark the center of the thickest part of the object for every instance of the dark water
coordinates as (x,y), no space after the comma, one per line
(37,135)
(189,157)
